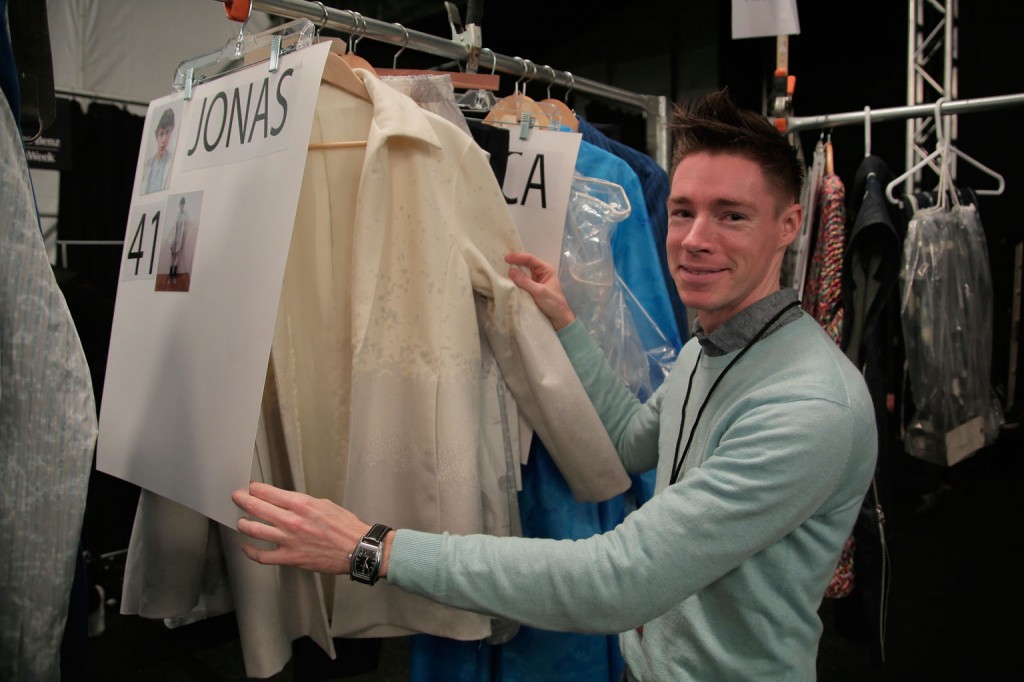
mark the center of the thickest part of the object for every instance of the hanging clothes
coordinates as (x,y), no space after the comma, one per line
(434,93)
(395,272)
(96,192)
(872,339)
(546,502)
(654,182)
(48,428)
(946,311)
(794,263)
(823,295)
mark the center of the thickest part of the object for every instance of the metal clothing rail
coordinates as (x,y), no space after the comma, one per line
(655,107)
(99,97)
(798,123)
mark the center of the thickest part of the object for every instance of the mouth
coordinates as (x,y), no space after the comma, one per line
(700,271)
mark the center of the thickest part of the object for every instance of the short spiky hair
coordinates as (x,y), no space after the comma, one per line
(714,124)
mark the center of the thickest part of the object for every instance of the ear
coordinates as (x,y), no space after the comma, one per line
(791,219)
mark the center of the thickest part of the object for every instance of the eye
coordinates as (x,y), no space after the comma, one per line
(734,217)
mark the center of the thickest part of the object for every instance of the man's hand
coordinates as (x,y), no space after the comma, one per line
(542,283)
(310,533)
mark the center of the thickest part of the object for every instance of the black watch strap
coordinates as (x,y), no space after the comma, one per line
(377,533)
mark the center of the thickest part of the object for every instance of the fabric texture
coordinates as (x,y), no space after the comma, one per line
(433,93)
(725,569)
(47,432)
(374,394)
(823,293)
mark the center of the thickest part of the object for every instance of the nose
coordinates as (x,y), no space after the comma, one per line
(697,235)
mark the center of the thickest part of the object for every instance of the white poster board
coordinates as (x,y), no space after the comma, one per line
(537,183)
(201,272)
(759,18)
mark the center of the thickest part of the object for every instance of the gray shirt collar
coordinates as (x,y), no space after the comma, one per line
(739,329)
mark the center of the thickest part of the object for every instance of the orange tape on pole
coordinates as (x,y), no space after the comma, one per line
(237,10)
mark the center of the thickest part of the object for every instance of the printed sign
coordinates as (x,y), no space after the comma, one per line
(216,191)
(537,183)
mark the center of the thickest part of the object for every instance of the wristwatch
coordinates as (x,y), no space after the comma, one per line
(366,558)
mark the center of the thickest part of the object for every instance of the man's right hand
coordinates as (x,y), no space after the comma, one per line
(541,283)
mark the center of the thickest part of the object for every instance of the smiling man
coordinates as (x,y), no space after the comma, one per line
(763,439)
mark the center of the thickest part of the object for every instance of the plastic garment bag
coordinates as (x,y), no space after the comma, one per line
(598,295)
(946,312)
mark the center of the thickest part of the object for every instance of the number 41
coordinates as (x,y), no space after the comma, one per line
(135,251)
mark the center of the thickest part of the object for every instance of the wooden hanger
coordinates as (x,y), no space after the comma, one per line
(338,71)
(509,109)
(461,81)
(557,109)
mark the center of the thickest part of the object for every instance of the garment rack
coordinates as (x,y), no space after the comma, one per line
(654,107)
(795,124)
(99,97)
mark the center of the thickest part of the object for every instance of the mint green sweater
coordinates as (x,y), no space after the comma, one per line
(725,569)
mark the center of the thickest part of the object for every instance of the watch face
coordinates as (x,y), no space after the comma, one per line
(364,562)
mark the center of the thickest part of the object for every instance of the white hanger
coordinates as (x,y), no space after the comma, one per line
(867,132)
(942,147)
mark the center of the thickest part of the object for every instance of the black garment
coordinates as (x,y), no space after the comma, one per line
(872,339)
(494,141)
(95,195)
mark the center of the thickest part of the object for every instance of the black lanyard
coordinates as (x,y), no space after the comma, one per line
(677,460)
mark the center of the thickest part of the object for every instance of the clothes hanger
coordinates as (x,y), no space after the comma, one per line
(241,51)
(479,99)
(942,149)
(867,132)
(350,57)
(337,71)
(459,79)
(830,168)
(557,110)
(511,109)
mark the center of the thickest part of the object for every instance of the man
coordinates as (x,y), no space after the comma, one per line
(763,439)
(176,239)
(157,171)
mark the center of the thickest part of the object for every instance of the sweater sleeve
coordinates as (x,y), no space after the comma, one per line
(632,425)
(772,471)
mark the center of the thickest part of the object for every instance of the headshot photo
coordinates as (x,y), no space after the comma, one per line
(178,242)
(156,170)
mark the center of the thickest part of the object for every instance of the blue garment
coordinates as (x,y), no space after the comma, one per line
(547,506)
(655,183)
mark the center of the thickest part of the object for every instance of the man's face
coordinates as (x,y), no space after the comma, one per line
(163,136)
(726,235)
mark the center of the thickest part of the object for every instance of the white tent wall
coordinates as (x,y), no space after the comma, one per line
(131,48)
(128,49)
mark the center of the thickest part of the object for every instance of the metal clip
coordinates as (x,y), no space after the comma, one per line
(189,78)
(469,35)
(275,53)
(525,123)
